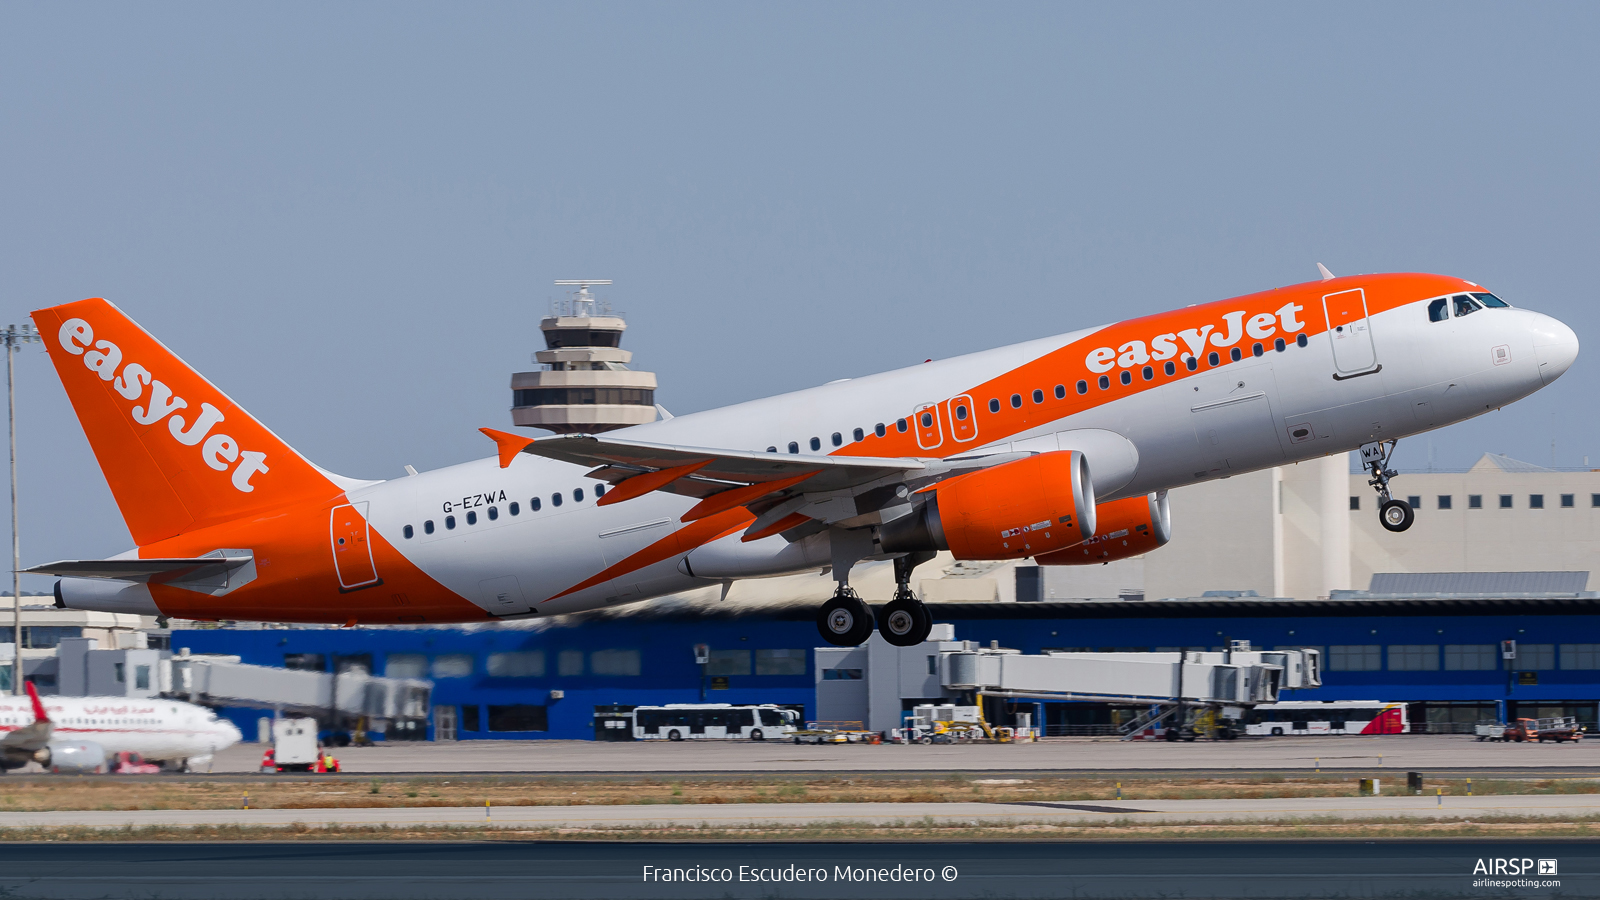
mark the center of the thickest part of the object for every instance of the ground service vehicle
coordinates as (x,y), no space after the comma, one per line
(1558,729)
(1061,449)
(708,721)
(1328,717)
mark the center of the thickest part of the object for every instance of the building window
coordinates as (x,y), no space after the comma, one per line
(1535,657)
(781,662)
(569,663)
(1444,501)
(408,532)
(1413,657)
(515,664)
(728,662)
(1470,657)
(452,665)
(1536,501)
(141,678)
(405,665)
(1580,656)
(583,397)
(1414,501)
(44,637)
(1568,501)
(469,718)
(1355,503)
(1355,658)
(1505,501)
(841,674)
(305,662)
(1474,501)
(518,717)
(614,662)
(1594,499)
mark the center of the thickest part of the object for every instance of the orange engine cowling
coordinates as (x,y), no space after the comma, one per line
(1128,527)
(1014,510)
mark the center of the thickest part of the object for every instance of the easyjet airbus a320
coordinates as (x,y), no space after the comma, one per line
(1061,449)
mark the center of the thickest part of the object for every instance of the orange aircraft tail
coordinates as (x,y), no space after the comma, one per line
(178,453)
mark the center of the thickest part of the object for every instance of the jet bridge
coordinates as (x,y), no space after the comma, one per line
(875,682)
(224,681)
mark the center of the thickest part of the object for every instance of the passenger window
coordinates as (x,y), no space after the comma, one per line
(1278,344)
(472,518)
(1214,359)
(533,503)
(772,449)
(901,425)
(515,508)
(1148,373)
(838,439)
(427,527)
(1234,354)
(599,491)
(1257,350)
(1016,401)
(927,420)
(879,430)
(1038,395)
(1439,310)
(859,435)
(1127,377)
(577,495)
(494,513)
(1061,392)
(794,447)
(994,406)
(1491,301)
(1105,382)
(1465,305)
(816,443)
(961,412)
(1171,369)
(1083,387)
(408,532)
(1300,339)
(449,522)
(555,499)
(1191,364)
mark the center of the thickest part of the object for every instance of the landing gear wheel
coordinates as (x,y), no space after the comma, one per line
(1397,515)
(845,621)
(905,621)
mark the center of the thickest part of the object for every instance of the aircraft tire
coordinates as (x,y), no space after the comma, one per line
(1397,515)
(845,621)
(905,622)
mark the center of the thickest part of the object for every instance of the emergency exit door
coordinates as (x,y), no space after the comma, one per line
(1350,330)
(352,553)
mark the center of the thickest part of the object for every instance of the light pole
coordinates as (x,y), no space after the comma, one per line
(15,337)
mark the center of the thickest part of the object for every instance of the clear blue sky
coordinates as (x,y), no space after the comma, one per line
(348,215)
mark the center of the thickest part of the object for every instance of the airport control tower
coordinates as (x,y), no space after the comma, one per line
(583,384)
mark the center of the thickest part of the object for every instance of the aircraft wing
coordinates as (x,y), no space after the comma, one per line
(145,570)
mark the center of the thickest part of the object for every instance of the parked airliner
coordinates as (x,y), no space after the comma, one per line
(1061,449)
(83,733)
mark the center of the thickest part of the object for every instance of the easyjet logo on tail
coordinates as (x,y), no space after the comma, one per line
(1260,326)
(219,451)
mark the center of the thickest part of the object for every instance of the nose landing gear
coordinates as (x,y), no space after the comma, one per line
(1395,515)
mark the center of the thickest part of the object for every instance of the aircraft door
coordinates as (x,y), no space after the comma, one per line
(352,553)
(1350,331)
(963,420)
(930,433)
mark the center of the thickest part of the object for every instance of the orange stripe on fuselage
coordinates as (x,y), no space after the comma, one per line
(695,534)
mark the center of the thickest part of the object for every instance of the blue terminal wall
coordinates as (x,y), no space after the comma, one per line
(669,674)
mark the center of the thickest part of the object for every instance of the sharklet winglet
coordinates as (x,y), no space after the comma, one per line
(510,444)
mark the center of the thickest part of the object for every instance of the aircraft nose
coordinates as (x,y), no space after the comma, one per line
(1555,346)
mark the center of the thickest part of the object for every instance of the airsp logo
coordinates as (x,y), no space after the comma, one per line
(1512,866)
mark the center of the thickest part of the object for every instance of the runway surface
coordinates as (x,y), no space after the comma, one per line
(838,871)
(1432,753)
(1566,806)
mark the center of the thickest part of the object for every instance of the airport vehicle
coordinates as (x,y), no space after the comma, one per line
(92,733)
(1327,717)
(294,745)
(1558,729)
(1061,449)
(712,721)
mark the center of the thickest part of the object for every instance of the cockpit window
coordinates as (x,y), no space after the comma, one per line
(1439,310)
(1465,305)
(1491,301)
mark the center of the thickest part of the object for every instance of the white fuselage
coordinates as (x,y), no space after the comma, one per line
(154,728)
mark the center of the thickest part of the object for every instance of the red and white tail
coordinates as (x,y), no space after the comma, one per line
(178,453)
(39,715)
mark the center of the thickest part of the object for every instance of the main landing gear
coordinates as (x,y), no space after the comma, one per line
(847,621)
(1396,515)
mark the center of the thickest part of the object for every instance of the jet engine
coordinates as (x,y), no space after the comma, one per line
(1128,527)
(1014,510)
(73,756)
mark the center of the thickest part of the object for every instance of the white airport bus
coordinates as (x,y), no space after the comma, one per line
(1328,717)
(713,721)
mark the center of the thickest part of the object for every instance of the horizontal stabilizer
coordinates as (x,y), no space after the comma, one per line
(145,570)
